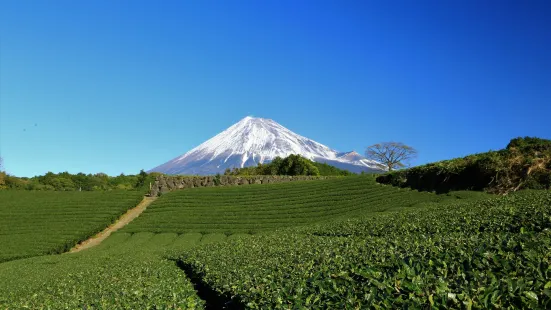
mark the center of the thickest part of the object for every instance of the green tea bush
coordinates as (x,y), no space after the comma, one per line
(39,223)
(491,253)
(258,208)
(125,272)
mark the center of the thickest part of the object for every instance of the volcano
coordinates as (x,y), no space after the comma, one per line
(255,140)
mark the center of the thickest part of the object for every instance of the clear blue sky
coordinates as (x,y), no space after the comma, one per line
(117,86)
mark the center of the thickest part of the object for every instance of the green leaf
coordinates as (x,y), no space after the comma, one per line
(531,295)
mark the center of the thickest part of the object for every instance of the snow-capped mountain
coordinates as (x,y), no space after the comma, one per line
(258,140)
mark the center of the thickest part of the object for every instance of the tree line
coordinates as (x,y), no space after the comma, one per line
(393,155)
(66,181)
(291,165)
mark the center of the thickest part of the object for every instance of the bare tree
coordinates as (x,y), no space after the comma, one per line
(393,155)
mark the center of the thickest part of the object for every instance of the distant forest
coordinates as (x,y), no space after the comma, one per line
(65,181)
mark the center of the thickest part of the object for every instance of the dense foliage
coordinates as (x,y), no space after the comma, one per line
(2,174)
(38,223)
(342,243)
(255,208)
(65,181)
(524,164)
(328,170)
(290,165)
(474,254)
(124,272)
(3,177)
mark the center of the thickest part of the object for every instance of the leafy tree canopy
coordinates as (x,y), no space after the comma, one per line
(66,181)
(290,165)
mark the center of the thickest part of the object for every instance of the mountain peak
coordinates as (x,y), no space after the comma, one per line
(247,119)
(253,119)
(353,153)
(255,140)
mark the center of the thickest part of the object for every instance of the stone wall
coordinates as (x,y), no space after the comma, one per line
(164,184)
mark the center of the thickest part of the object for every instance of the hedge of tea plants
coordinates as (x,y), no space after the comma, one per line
(492,253)
(125,272)
(38,223)
(259,208)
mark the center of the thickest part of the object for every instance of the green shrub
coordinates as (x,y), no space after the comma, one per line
(124,272)
(524,164)
(216,179)
(254,209)
(290,165)
(478,254)
(65,181)
(46,222)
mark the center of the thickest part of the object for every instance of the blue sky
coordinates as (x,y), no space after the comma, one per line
(117,86)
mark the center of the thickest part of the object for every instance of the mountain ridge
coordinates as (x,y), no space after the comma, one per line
(255,140)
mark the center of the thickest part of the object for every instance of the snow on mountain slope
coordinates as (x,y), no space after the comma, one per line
(258,140)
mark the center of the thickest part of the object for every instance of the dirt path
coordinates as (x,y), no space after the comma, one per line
(120,223)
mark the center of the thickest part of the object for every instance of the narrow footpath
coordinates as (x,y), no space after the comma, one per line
(120,223)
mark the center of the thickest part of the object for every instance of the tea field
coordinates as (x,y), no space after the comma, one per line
(259,208)
(125,272)
(491,253)
(346,243)
(36,223)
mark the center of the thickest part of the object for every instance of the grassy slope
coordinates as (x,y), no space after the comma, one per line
(256,208)
(38,223)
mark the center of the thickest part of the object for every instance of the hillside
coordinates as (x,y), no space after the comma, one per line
(473,254)
(130,270)
(256,208)
(524,164)
(336,243)
(39,223)
(124,272)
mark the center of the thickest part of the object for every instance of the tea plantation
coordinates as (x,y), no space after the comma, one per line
(258,208)
(38,223)
(345,243)
(125,272)
(477,254)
